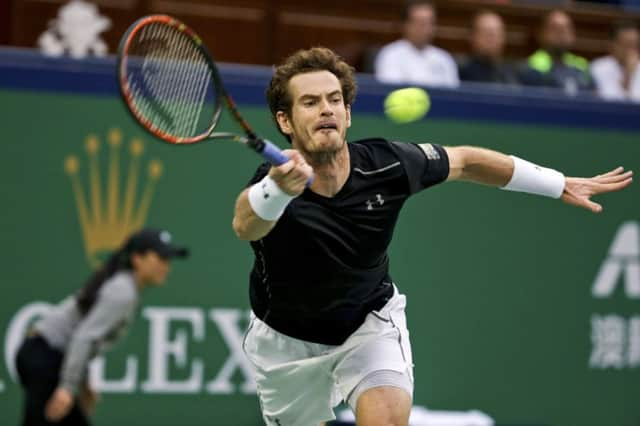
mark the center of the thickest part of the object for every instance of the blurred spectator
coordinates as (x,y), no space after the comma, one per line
(553,64)
(75,32)
(617,76)
(486,62)
(413,59)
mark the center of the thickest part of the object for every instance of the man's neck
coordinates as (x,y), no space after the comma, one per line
(330,171)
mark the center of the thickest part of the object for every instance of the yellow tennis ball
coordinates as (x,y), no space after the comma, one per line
(407,105)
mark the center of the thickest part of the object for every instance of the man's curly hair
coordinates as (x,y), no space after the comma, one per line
(304,61)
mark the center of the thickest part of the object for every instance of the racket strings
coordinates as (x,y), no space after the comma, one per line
(196,79)
(170,80)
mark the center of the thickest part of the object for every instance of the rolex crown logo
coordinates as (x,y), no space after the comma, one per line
(109,213)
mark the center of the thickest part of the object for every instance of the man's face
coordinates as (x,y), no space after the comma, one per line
(319,118)
(626,44)
(558,34)
(420,26)
(488,36)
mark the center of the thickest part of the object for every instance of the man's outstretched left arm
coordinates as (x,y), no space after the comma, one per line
(512,173)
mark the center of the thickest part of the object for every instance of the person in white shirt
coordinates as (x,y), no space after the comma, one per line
(414,59)
(617,75)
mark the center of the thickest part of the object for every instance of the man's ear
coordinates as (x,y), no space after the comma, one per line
(348,108)
(283,121)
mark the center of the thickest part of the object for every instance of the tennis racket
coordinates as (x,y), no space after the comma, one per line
(171,86)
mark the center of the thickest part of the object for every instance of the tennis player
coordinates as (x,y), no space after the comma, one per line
(329,323)
(53,360)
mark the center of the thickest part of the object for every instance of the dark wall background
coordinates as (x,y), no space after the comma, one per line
(265,31)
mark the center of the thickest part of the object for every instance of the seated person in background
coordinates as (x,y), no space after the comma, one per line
(413,59)
(617,76)
(487,46)
(553,64)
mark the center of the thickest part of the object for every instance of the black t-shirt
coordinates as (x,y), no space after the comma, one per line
(324,265)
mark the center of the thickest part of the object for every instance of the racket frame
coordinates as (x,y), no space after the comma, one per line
(220,92)
(264,147)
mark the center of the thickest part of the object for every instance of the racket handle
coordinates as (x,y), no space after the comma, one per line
(272,154)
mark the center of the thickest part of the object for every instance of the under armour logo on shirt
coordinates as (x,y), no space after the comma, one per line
(378,201)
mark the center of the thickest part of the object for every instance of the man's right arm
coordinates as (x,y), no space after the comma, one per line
(259,207)
(246,223)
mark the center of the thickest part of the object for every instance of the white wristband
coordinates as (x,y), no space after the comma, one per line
(267,200)
(533,179)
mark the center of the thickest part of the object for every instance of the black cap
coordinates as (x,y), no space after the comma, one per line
(157,240)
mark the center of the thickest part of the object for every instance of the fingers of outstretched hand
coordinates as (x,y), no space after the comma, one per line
(612,185)
(620,185)
(613,178)
(578,191)
(594,207)
(614,175)
(613,172)
(581,201)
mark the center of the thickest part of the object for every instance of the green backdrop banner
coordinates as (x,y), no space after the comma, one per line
(521,307)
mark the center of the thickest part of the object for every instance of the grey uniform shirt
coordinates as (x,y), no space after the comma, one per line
(80,337)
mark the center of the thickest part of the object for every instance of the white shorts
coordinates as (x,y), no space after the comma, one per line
(300,382)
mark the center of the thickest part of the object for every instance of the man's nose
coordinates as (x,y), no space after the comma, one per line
(326,107)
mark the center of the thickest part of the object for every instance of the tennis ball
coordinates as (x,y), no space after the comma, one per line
(407,105)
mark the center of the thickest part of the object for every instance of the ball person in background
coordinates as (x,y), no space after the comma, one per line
(329,323)
(52,362)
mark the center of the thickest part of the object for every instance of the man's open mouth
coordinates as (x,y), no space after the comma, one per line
(327,126)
